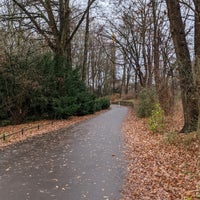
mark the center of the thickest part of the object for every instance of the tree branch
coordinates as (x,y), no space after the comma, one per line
(38,28)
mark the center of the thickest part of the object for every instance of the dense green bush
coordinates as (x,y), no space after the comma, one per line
(67,95)
(102,103)
(97,105)
(105,103)
(86,103)
(63,107)
(146,104)
(49,88)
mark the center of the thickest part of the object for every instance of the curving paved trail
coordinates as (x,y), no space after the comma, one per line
(81,162)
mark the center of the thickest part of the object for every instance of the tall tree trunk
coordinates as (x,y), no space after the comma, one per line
(113,63)
(197,55)
(156,54)
(161,80)
(93,65)
(128,76)
(85,55)
(150,74)
(185,66)
(67,47)
(123,83)
(56,28)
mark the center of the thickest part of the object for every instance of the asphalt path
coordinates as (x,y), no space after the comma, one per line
(82,162)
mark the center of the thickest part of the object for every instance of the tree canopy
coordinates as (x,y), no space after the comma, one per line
(119,49)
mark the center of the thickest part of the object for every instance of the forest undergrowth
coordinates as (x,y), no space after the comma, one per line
(161,166)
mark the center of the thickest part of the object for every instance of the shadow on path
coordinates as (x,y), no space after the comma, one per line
(81,162)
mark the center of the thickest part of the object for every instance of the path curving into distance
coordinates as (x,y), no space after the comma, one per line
(81,162)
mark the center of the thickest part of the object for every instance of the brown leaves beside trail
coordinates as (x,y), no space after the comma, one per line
(158,170)
(45,127)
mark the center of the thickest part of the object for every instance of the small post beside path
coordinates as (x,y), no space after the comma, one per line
(4,136)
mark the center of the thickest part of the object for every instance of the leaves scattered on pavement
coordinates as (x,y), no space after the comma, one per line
(57,124)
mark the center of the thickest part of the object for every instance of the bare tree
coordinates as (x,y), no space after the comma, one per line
(189,100)
(161,55)
(53,20)
(143,38)
(17,74)
(85,55)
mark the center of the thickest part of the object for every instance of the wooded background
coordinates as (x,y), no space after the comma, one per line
(51,51)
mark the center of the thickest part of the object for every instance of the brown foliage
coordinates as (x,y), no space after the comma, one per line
(156,169)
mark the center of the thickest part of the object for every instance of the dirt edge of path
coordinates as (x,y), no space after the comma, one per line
(45,126)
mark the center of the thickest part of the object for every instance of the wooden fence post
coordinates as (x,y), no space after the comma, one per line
(4,137)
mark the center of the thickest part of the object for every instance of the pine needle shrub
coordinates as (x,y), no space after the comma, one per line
(102,103)
(61,86)
(97,105)
(105,103)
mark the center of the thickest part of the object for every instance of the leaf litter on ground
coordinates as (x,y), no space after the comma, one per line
(159,167)
(156,168)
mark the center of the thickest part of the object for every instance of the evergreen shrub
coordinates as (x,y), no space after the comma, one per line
(97,105)
(51,89)
(105,103)
(102,103)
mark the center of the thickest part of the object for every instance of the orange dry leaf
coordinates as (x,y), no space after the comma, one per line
(158,170)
